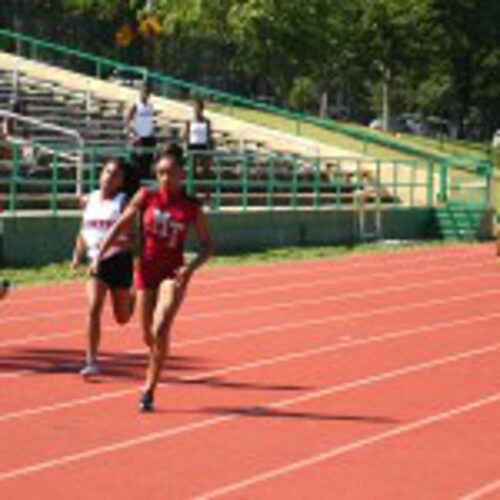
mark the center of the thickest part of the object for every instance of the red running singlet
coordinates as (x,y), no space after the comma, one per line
(165,221)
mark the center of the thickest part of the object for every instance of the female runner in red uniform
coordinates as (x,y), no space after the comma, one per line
(162,276)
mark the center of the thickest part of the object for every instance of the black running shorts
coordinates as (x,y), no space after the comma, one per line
(116,271)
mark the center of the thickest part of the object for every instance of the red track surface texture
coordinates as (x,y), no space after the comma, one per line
(366,377)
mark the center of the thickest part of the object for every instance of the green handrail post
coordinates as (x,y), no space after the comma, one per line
(190,174)
(338,179)
(295,180)
(14,177)
(378,171)
(358,185)
(55,183)
(270,182)
(218,182)
(98,69)
(490,186)
(129,151)
(413,166)
(245,183)
(395,181)
(443,181)
(430,183)
(33,51)
(316,183)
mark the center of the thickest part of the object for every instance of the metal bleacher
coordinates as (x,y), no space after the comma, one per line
(62,135)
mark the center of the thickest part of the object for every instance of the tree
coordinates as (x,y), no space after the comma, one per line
(470,33)
(397,36)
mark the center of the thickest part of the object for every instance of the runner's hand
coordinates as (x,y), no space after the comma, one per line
(94,266)
(75,264)
(183,276)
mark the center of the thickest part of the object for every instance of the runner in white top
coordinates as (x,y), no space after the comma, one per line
(102,210)
(99,216)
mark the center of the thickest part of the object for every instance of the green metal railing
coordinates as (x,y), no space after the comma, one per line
(171,87)
(244,182)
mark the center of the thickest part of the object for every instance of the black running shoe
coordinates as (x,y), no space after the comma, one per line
(146,402)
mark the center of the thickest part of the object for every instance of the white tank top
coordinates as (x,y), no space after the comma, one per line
(99,216)
(198,133)
(144,120)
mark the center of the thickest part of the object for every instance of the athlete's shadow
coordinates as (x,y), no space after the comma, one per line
(277,413)
(127,366)
(119,365)
(218,382)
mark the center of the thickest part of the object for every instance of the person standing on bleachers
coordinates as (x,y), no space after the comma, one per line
(139,120)
(199,143)
(199,131)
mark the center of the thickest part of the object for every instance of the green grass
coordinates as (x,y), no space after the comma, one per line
(61,272)
(43,274)
(307,130)
(432,146)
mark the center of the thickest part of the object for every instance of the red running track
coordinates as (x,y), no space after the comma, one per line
(372,376)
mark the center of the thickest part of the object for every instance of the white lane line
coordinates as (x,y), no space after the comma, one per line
(346,262)
(348,279)
(487,489)
(260,290)
(342,296)
(49,338)
(274,305)
(263,330)
(17,374)
(260,363)
(210,422)
(222,337)
(350,447)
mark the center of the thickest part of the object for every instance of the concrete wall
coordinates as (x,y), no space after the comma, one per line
(41,238)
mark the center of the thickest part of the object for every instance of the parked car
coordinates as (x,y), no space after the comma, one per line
(416,123)
(413,122)
(437,127)
(395,125)
(339,113)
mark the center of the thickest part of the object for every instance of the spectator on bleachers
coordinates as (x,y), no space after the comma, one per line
(139,120)
(199,133)
(199,142)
